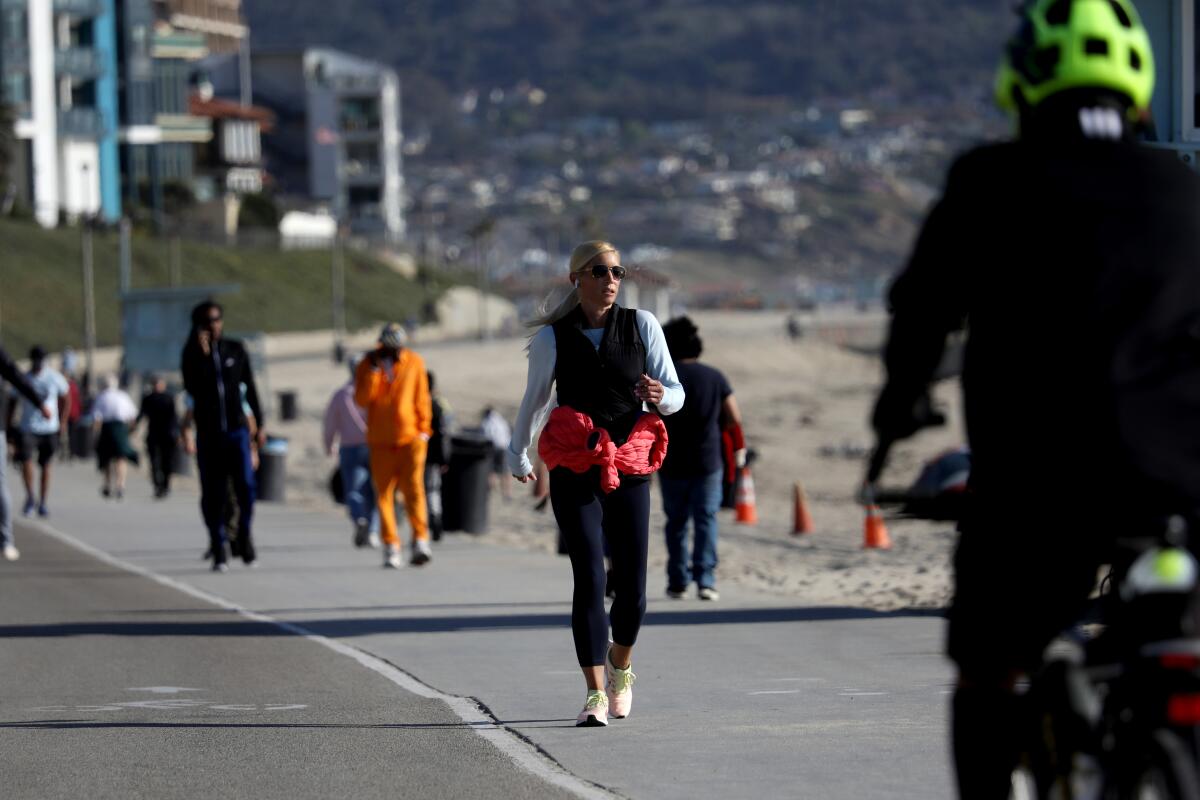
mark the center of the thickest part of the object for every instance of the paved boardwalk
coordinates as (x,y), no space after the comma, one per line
(754,696)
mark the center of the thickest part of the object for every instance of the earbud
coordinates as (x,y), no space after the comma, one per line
(576,284)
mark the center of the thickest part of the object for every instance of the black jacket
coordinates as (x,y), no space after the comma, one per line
(1075,267)
(10,372)
(601,383)
(218,403)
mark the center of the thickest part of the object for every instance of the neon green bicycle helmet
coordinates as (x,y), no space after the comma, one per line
(1073,44)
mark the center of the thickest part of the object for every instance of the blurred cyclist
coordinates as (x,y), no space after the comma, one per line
(1072,256)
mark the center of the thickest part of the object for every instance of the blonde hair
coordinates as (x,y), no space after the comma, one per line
(561,302)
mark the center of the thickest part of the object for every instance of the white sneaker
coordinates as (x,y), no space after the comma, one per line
(595,711)
(618,688)
(421,552)
(11,553)
(391,557)
(708,593)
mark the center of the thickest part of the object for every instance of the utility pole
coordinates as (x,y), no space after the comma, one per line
(337,280)
(89,302)
(89,289)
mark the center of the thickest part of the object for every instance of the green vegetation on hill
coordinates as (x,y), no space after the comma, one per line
(657,58)
(41,287)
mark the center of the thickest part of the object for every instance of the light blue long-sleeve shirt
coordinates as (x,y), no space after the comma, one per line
(539,401)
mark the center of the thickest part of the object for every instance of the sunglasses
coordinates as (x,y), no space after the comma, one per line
(600,270)
(215,319)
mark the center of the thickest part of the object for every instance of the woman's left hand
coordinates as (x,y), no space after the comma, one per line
(649,390)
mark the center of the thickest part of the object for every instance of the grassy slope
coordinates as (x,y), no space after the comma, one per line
(41,296)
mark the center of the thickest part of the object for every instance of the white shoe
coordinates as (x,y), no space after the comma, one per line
(421,552)
(11,553)
(391,557)
(595,711)
(708,593)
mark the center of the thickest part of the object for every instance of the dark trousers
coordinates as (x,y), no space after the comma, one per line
(588,518)
(161,450)
(224,457)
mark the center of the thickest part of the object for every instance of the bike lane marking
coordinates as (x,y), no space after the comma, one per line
(524,752)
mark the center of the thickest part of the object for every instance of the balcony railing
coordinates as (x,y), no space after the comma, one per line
(79,8)
(78,62)
(85,123)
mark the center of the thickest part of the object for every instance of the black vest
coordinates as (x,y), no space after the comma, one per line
(600,383)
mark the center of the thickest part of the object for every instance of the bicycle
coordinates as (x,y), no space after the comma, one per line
(1114,714)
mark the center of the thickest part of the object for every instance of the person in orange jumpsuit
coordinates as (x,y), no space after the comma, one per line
(392,386)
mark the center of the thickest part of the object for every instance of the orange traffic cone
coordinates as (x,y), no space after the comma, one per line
(801,518)
(875,535)
(744,508)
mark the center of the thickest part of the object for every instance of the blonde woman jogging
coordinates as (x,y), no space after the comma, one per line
(610,366)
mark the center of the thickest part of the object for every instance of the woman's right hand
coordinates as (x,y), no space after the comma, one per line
(526,478)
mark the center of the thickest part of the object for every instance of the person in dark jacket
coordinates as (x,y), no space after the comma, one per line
(437,460)
(10,372)
(692,473)
(162,433)
(214,369)
(1070,255)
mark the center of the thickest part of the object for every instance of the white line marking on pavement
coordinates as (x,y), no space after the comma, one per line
(778,691)
(524,752)
(163,689)
(861,694)
(796,680)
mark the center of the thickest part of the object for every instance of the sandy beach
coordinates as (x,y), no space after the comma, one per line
(805,405)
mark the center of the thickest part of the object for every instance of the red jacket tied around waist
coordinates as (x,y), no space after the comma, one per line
(570,439)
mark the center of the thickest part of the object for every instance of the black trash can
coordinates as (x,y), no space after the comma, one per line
(288,408)
(465,485)
(81,438)
(272,469)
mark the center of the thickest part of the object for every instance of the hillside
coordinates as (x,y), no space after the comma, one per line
(42,298)
(657,58)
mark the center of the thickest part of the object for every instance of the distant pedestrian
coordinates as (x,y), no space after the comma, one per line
(162,433)
(691,475)
(213,369)
(346,424)
(609,365)
(40,434)
(391,384)
(437,460)
(10,372)
(111,416)
(69,362)
(496,429)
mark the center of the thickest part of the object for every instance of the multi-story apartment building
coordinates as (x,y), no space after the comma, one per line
(218,21)
(336,138)
(58,59)
(159,134)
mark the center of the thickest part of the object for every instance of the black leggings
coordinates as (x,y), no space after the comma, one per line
(587,517)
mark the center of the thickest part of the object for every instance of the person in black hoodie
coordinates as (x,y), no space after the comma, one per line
(1070,255)
(214,369)
(10,372)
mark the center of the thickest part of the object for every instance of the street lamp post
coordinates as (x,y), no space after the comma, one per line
(89,287)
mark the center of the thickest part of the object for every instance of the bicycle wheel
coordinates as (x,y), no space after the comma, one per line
(1167,771)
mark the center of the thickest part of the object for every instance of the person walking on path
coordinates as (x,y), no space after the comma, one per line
(691,475)
(111,415)
(346,424)
(1068,255)
(11,373)
(437,460)
(214,368)
(391,384)
(40,434)
(162,433)
(495,428)
(608,363)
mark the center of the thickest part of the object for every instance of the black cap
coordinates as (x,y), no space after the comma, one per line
(37,353)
